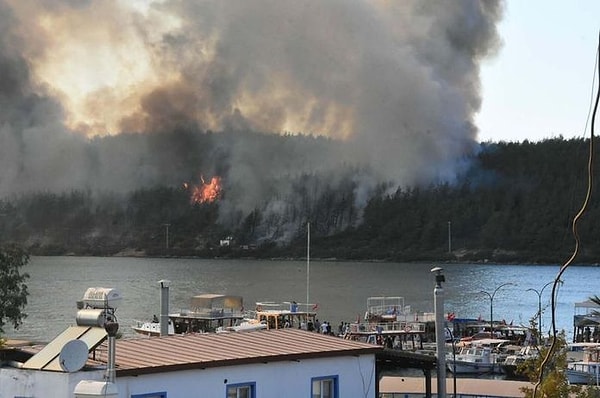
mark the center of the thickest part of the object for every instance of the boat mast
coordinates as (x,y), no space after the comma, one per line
(307,265)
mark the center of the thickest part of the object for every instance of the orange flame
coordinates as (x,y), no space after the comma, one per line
(206,192)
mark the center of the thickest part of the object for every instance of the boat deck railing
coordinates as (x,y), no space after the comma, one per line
(210,313)
(387,305)
(285,307)
(401,327)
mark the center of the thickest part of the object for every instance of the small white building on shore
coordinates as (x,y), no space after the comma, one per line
(270,363)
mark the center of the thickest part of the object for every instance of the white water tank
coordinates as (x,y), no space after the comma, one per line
(93,388)
(101,297)
(91,317)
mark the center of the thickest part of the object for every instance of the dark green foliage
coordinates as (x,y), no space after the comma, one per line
(13,290)
(515,203)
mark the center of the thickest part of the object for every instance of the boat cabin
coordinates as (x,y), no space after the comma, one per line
(286,315)
(390,323)
(207,312)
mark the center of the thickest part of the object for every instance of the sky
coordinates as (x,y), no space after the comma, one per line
(539,85)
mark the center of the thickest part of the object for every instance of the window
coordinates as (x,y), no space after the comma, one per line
(151,395)
(324,387)
(242,390)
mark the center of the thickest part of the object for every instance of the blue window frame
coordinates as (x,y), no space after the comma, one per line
(241,390)
(151,395)
(325,387)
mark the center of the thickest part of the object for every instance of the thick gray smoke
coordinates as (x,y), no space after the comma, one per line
(396,82)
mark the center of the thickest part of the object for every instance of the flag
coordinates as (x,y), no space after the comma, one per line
(451,316)
(315,307)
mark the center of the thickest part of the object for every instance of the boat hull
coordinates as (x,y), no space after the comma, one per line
(583,374)
(467,367)
(150,328)
(512,372)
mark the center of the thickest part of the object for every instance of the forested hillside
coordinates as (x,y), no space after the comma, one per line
(513,202)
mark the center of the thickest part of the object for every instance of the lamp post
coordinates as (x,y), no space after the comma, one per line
(438,303)
(539,294)
(491,296)
(453,360)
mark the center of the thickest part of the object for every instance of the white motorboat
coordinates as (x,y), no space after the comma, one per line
(511,366)
(247,325)
(481,356)
(586,371)
(151,328)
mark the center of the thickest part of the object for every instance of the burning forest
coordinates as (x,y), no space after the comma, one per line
(291,111)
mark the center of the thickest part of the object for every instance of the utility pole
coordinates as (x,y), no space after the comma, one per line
(167,235)
(449,236)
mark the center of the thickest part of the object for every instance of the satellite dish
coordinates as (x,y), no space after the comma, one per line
(73,356)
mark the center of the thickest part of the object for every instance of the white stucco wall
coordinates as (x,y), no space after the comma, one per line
(356,375)
(273,380)
(34,383)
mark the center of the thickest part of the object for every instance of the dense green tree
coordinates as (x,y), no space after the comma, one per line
(13,290)
(515,203)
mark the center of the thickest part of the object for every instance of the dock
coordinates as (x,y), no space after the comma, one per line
(400,386)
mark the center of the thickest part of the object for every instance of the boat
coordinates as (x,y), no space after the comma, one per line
(246,325)
(513,367)
(286,314)
(207,313)
(389,322)
(477,357)
(468,330)
(586,371)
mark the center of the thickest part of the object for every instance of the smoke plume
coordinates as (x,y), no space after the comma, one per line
(394,86)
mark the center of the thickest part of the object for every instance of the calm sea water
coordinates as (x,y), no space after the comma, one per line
(340,288)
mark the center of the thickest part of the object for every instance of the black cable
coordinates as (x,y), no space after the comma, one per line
(576,220)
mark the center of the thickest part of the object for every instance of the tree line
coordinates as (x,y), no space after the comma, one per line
(514,203)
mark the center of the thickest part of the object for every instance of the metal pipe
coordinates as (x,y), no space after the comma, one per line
(111,328)
(164,307)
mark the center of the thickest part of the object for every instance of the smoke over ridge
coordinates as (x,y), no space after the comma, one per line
(395,85)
